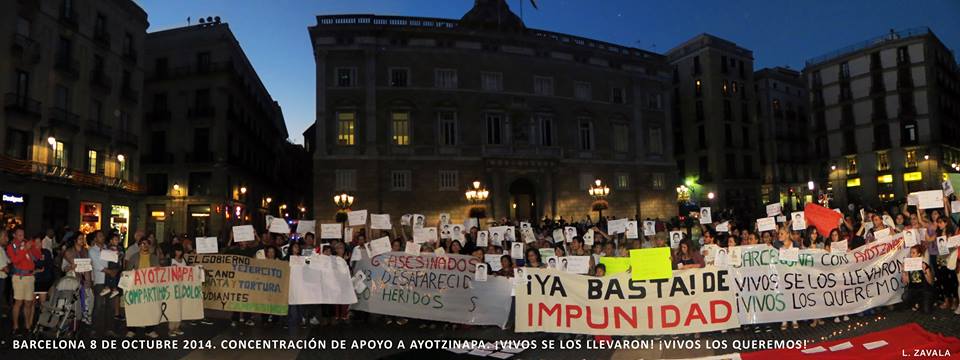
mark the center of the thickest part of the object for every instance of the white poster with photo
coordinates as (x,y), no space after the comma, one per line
(528,235)
(456,233)
(483,238)
(380,222)
(412,248)
(706,217)
(279,226)
(471,223)
(632,232)
(331,231)
(418,221)
(444,218)
(947,188)
(480,272)
(766,224)
(306,226)
(931,199)
(510,234)
(243,233)
(575,264)
(569,233)
(781,219)
(588,238)
(445,231)
(524,225)
(357,218)
(618,226)
(207,245)
(326,281)
(558,236)
(516,250)
(774,209)
(497,234)
(909,238)
(709,253)
(405,220)
(379,246)
(422,235)
(649,228)
(348,234)
(798,221)
(675,238)
(494,261)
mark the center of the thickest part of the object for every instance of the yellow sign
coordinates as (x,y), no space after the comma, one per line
(158,214)
(853,182)
(885,179)
(615,265)
(649,264)
(913,176)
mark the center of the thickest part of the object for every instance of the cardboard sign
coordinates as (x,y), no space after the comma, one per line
(632,232)
(380,222)
(913,264)
(798,221)
(649,228)
(412,248)
(774,209)
(206,245)
(723,227)
(932,199)
(705,216)
(279,226)
(182,285)
(838,247)
(650,264)
(242,233)
(379,246)
(331,231)
(766,224)
(110,255)
(422,235)
(575,264)
(229,278)
(618,226)
(306,226)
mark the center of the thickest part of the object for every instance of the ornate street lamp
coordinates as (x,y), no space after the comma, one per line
(477,195)
(599,192)
(344,202)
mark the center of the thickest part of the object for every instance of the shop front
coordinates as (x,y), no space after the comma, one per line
(90,215)
(198,220)
(120,221)
(12,208)
(157,221)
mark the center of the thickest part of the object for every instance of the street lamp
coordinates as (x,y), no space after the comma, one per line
(343,202)
(599,192)
(477,195)
(711,195)
(243,190)
(52,141)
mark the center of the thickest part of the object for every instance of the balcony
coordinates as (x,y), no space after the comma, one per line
(21,103)
(50,173)
(126,137)
(25,49)
(158,115)
(64,118)
(200,157)
(98,128)
(201,112)
(100,81)
(68,66)
(157,158)
(191,70)
(129,94)
(102,38)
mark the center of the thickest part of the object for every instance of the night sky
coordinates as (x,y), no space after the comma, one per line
(274,33)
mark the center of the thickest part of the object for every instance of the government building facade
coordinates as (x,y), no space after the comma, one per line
(411,111)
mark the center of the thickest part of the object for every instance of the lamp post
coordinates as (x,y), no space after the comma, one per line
(599,192)
(477,195)
(344,202)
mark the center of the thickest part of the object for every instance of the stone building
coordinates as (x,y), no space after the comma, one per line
(213,135)
(70,74)
(886,116)
(715,130)
(411,110)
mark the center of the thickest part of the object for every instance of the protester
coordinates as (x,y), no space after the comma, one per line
(919,293)
(22,254)
(144,259)
(176,259)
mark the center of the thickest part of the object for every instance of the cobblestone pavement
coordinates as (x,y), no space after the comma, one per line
(375,328)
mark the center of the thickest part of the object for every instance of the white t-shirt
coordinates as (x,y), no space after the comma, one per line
(175,262)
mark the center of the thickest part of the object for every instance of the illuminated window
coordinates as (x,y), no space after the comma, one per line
(92,161)
(698,87)
(883,162)
(122,168)
(725,88)
(910,158)
(623,181)
(401,128)
(60,155)
(346,128)
(656,181)
(851,165)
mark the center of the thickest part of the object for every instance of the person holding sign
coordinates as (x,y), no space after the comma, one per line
(112,272)
(920,292)
(176,259)
(533,258)
(143,260)
(946,279)
(685,258)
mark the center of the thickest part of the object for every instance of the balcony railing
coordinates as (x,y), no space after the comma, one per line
(100,80)
(98,128)
(892,36)
(63,117)
(47,172)
(158,115)
(21,103)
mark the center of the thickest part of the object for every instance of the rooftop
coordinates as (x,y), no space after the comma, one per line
(874,41)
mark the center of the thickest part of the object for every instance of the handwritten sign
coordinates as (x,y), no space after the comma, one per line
(306,226)
(766,224)
(357,218)
(379,246)
(331,231)
(83,265)
(109,255)
(380,222)
(279,226)
(243,233)
(162,294)
(913,264)
(207,245)
(932,199)
(774,209)
(650,264)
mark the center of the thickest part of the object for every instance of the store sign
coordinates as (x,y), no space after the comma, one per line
(12,199)
(913,176)
(853,182)
(158,214)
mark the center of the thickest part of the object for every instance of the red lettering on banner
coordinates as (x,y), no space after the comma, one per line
(530,315)
(663,316)
(713,311)
(573,312)
(695,313)
(593,325)
(649,317)
(553,310)
(619,313)
(136,278)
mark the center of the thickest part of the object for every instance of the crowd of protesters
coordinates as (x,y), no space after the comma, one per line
(30,264)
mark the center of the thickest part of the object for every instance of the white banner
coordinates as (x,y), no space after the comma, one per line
(433,287)
(819,284)
(320,279)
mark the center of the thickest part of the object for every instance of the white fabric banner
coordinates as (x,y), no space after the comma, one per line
(322,280)
(819,284)
(433,287)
